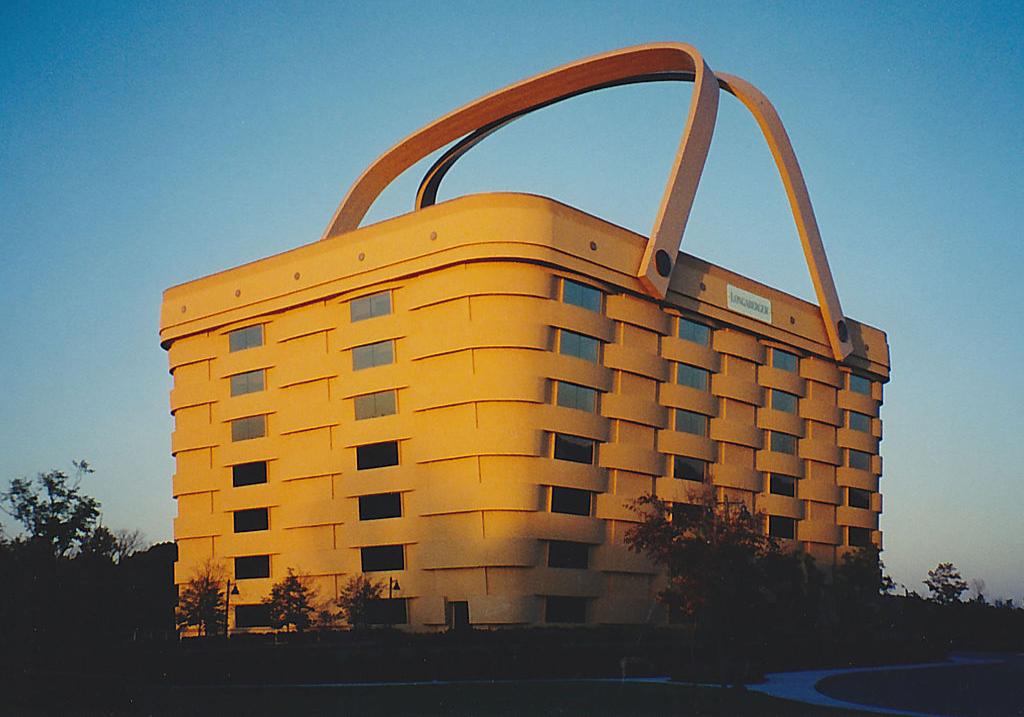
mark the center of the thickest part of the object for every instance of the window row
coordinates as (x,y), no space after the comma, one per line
(379,611)
(780,526)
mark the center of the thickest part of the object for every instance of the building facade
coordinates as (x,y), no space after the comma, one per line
(462,402)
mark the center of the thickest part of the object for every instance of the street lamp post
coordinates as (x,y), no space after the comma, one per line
(232,590)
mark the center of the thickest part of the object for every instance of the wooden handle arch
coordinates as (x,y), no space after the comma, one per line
(562,82)
(785,160)
(660,61)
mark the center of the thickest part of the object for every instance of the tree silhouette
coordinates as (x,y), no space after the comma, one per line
(201,601)
(357,595)
(945,584)
(53,510)
(291,602)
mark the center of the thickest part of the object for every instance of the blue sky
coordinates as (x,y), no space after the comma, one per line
(146,144)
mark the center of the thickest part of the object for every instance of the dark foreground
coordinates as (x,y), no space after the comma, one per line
(992,690)
(502,698)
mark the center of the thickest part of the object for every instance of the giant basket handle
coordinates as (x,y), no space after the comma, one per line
(660,61)
(785,160)
(662,247)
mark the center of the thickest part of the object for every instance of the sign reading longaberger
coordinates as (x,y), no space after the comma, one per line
(752,305)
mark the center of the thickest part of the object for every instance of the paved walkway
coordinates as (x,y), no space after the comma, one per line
(894,693)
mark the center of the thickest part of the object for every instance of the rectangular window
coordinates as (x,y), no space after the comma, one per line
(387,611)
(247,338)
(858,421)
(782,485)
(584,347)
(692,331)
(251,519)
(782,443)
(690,422)
(382,557)
(380,505)
(859,384)
(781,527)
(367,307)
(568,554)
(573,448)
(581,295)
(252,566)
(686,513)
(571,501)
(858,459)
(785,360)
(252,616)
(560,608)
(377,455)
(693,469)
(571,395)
(693,376)
(858,498)
(370,355)
(248,382)
(244,429)
(249,474)
(858,537)
(374,405)
(782,401)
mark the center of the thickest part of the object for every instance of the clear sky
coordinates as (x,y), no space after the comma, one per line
(146,144)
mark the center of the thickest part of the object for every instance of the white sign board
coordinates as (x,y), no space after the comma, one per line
(752,305)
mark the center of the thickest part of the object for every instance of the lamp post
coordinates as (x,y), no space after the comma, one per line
(392,587)
(232,590)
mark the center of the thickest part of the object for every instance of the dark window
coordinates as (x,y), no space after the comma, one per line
(377,455)
(690,422)
(574,448)
(248,382)
(858,459)
(570,500)
(249,473)
(581,295)
(247,338)
(692,331)
(689,469)
(785,360)
(859,384)
(374,405)
(858,537)
(858,421)
(686,513)
(380,505)
(252,566)
(383,557)
(782,443)
(782,485)
(571,343)
(558,608)
(366,307)
(252,616)
(567,554)
(370,355)
(243,429)
(387,611)
(692,376)
(252,519)
(781,527)
(782,401)
(857,498)
(571,395)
